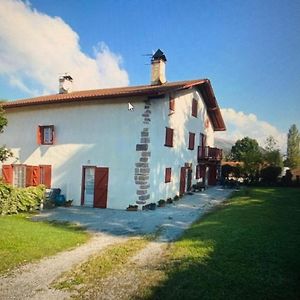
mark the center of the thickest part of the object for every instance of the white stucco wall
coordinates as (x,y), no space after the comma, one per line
(175,157)
(103,135)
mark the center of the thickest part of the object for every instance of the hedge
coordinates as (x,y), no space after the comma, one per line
(14,200)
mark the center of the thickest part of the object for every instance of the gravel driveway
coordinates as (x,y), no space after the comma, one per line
(171,220)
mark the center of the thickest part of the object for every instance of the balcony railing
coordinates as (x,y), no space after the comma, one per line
(209,153)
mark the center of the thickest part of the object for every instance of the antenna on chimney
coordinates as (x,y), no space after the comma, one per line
(158,62)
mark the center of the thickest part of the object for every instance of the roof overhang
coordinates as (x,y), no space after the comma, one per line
(203,85)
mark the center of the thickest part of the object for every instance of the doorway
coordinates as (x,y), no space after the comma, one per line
(94,186)
(185,184)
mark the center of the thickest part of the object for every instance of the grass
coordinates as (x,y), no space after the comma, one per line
(87,276)
(23,241)
(247,249)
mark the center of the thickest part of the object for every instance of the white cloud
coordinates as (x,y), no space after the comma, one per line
(36,48)
(240,125)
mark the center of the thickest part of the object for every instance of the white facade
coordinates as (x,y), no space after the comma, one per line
(105,134)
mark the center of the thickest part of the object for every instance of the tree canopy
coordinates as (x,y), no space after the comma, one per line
(293,147)
(271,155)
(4,152)
(247,151)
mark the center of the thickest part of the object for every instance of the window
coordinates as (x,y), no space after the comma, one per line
(195,108)
(172,104)
(168,173)
(19,175)
(25,175)
(45,135)
(191,140)
(169,137)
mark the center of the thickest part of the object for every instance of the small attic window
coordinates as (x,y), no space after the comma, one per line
(45,135)
(195,108)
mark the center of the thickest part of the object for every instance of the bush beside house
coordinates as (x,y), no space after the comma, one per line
(14,200)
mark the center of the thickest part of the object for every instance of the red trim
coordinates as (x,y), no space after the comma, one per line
(41,135)
(169,137)
(172,104)
(7,173)
(191,141)
(46,179)
(168,172)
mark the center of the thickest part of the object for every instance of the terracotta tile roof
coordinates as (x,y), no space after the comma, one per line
(131,91)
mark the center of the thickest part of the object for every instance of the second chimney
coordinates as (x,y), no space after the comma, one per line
(158,68)
(65,84)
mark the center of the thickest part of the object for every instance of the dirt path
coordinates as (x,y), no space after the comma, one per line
(32,280)
(127,282)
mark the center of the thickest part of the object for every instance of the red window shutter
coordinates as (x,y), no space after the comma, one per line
(39,135)
(168,173)
(191,140)
(7,173)
(29,173)
(194,108)
(35,176)
(169,137)
(172,104)
(197,171)
(45,175)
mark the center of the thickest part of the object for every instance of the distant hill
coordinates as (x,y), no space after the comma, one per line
(224,144)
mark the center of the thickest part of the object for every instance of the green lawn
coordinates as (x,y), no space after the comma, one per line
(22,240)
(247,249)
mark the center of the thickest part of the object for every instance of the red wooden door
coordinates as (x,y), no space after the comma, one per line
(212,175)
(189,179)
(101,187)
(182,180)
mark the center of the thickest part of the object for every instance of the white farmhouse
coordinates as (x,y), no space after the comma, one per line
(118,146)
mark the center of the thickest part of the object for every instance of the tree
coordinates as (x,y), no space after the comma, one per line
(4,152)
(271,153)
(247,151)
(293,147)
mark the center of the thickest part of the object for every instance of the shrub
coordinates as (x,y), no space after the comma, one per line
(270,174)
(161,202)
(14,200)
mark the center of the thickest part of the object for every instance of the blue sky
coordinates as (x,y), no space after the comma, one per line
(250,50)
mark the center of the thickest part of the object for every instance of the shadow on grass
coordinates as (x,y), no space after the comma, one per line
(248,249)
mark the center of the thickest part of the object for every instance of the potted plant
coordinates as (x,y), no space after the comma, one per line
(68,203)
(176,198)
(132,207)
(169,201)
(161,203)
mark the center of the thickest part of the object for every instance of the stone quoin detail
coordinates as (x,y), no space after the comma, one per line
(142,169)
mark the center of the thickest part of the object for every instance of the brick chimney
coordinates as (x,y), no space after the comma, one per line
(158,68)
